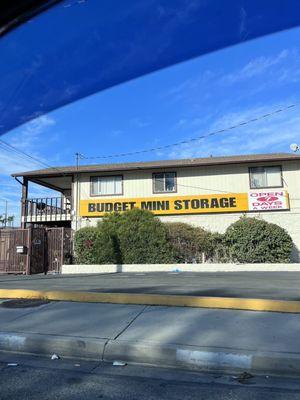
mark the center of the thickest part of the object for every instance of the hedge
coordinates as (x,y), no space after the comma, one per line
(95,246)
(138,237)
(143,239)
(251,240)
(134,237)
(217,250)
(188,242)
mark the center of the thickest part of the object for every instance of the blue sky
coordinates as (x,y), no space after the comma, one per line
(175,104)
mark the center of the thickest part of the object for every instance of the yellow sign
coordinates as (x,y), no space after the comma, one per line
(167,205)
(198,204)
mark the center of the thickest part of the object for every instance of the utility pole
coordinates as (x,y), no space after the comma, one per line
(78,156)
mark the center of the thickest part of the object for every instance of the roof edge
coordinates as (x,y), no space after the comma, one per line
(159,164)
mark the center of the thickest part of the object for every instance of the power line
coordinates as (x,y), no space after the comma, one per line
(20,152)
(15,150)
(197,138)
(82,157)
(246,122)
(8,150)
(197,187)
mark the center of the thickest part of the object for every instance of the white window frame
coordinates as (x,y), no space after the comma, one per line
(164,178)
(99,177)
(266,168)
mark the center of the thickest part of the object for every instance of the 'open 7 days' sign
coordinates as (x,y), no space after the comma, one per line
(267,201)
(198,204)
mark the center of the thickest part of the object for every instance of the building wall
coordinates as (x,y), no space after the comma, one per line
(208,180)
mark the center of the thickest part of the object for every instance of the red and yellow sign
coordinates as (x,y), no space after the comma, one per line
(198,204)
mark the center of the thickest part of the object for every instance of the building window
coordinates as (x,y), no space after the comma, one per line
(106,185)
(265,177)
(164,182)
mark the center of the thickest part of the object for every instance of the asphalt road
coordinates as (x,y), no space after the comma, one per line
(37,378)
(268,285)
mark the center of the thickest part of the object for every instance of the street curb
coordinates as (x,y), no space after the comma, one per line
(202,358)
(229,303)
(63,346)
(152,353)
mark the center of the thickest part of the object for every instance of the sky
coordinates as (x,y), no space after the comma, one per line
(182,102)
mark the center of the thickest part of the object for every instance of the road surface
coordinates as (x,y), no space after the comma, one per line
(266,285)
(36,378)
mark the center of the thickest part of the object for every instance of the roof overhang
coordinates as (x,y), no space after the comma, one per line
(46,175)
(60,183)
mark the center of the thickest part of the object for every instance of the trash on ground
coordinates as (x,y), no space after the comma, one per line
(119,364)
(244,377)
(55,357)
(12,364)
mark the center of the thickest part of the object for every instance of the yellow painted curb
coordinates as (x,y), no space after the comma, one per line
(156,299)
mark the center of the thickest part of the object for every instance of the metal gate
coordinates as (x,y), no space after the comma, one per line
(37,252)
(45,250)
(10,260)
(58,248)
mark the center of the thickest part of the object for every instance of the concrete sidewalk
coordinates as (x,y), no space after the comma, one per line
(205,339)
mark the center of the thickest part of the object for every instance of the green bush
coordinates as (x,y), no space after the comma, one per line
(84,240)
(142,238)
(138,237)
(217,250)
(95,246)
(188,242)
(251,240)
(107,244)
(134,237)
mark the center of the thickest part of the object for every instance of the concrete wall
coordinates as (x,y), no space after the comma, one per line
(143,268)
(208,180)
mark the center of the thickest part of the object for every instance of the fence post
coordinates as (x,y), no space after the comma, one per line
(24,202)
(28,258)
(45,250)
(62,248)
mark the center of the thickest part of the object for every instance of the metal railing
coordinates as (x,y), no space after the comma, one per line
(48,209)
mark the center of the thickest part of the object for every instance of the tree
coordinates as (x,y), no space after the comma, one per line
(10,220)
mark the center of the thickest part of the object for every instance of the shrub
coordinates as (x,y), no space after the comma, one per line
(203,239)
(251,240)
(217,250)
(95,246)
(188,242)
(142,238)
(84,240)
(135,236)
(107,244)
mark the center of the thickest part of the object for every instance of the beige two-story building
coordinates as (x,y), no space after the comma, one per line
(209,192)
